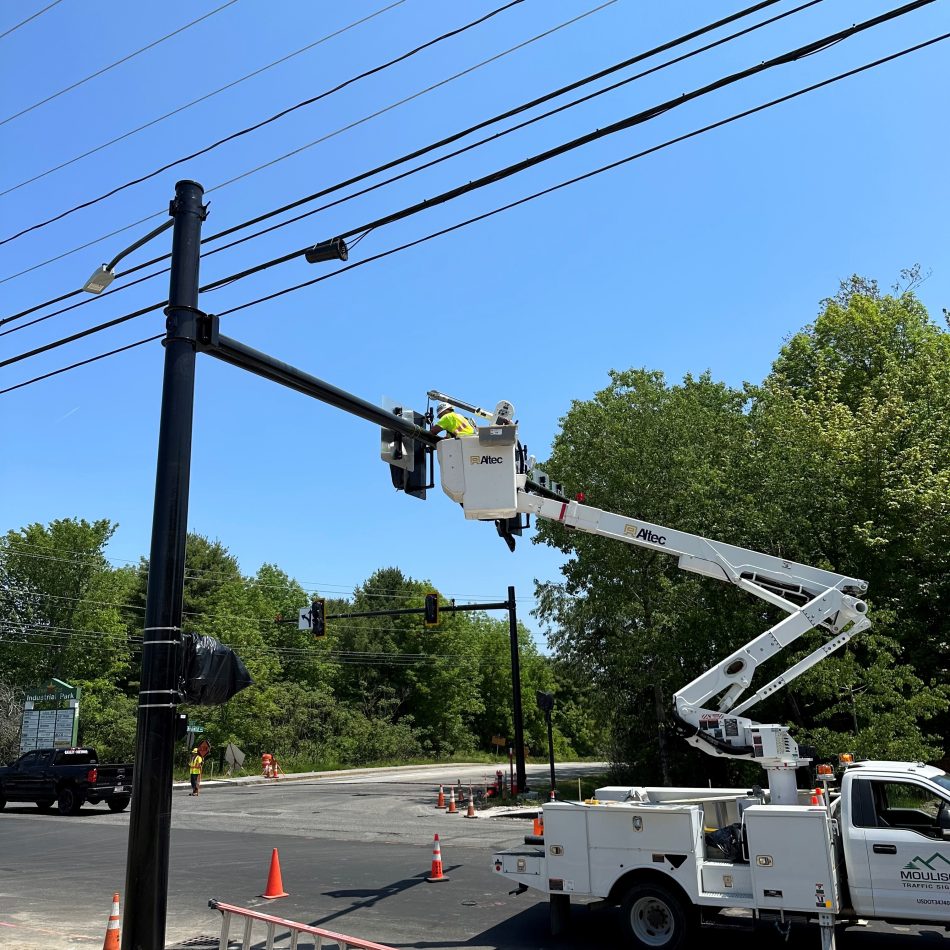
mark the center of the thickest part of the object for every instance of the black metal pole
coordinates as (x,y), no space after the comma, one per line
(520,773)
(146,876)
(548,714)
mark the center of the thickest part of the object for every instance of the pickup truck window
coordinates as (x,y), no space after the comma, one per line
(906,805)
(76,757)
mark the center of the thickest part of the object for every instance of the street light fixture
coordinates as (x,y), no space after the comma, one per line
(104,275)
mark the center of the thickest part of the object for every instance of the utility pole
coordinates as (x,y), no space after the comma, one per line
(520,775)
(146,876)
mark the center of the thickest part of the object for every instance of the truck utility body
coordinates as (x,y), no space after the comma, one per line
(68,778)
(877,848)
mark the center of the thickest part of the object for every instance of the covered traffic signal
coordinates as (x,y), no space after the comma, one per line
(432,610)
(410,461)
(318,621)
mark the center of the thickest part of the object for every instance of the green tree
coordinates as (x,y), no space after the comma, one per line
(839,459)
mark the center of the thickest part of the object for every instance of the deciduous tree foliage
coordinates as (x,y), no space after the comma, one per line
(372,690)
(840,458)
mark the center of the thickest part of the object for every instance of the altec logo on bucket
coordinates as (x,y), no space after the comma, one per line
(484,460)
(932,872)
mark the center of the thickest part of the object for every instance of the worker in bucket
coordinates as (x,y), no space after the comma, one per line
(451,423)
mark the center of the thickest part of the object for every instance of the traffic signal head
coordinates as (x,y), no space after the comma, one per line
(318,617)
(432,610)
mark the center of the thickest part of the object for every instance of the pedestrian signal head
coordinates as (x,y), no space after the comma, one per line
(442,409)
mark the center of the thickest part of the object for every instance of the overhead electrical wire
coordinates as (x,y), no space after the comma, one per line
(118,62)
(17,26)
(546,191)
(670,44)
(204,98)
(272,118)
(510,170)
(23,549)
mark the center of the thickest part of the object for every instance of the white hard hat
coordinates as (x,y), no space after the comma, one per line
(443,408)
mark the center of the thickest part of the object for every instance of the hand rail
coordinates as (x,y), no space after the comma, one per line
(296,929)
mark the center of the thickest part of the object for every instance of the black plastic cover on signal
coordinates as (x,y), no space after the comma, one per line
(211,672)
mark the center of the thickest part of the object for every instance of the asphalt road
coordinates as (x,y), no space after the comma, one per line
(354,854)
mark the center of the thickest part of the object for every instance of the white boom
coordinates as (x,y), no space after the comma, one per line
(485,474)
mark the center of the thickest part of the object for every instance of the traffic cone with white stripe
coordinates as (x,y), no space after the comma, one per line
(440,802)
(471,804)
(111,941)
(452,809)
(436,875)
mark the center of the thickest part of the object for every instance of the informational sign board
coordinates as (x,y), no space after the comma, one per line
(50,717)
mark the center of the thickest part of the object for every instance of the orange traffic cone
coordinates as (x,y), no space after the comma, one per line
(471,804)
(817,798)
(441,800)
(436,875)
(275,886)
(539,825)
(452,809)
(112,931)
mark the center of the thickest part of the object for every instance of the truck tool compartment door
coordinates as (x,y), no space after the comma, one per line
(908,849)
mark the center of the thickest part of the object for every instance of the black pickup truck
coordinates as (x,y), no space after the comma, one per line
(68,778)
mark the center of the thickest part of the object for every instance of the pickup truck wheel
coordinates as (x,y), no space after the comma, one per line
(46,804)
(655,918)
(70,801)
(118,804)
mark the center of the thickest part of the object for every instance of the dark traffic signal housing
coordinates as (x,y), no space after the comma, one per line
(432,610)
(318,621)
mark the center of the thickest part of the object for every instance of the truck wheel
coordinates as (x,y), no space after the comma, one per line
(46,804)
(70,801)
(655,918)
(118,804)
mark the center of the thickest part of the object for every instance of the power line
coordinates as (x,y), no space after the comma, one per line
(416,153)
(86,362)
(118,62)
(428,204)
(204,98)
(344,592)
(258,125)
(13,29)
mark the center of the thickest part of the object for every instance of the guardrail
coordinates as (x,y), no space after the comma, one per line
(279,923)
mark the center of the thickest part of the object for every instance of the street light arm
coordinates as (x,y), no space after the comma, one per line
(104,275)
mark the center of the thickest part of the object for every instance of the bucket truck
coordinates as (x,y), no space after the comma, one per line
(877,846)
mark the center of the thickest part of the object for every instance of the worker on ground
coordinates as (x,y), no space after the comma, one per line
(451,423)
(195,766)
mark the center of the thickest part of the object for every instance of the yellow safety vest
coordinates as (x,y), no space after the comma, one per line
(196,765)
(456,425)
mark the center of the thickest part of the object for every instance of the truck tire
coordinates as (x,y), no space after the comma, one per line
(69,801)
(118,804)
(46,804)
(655,918)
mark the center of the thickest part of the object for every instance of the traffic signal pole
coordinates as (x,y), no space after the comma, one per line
(517,714)
(520,773)
(146,876)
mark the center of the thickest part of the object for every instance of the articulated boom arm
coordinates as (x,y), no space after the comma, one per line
(812,597)
(485,473)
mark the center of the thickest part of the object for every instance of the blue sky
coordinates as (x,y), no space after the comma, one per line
(705,255)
